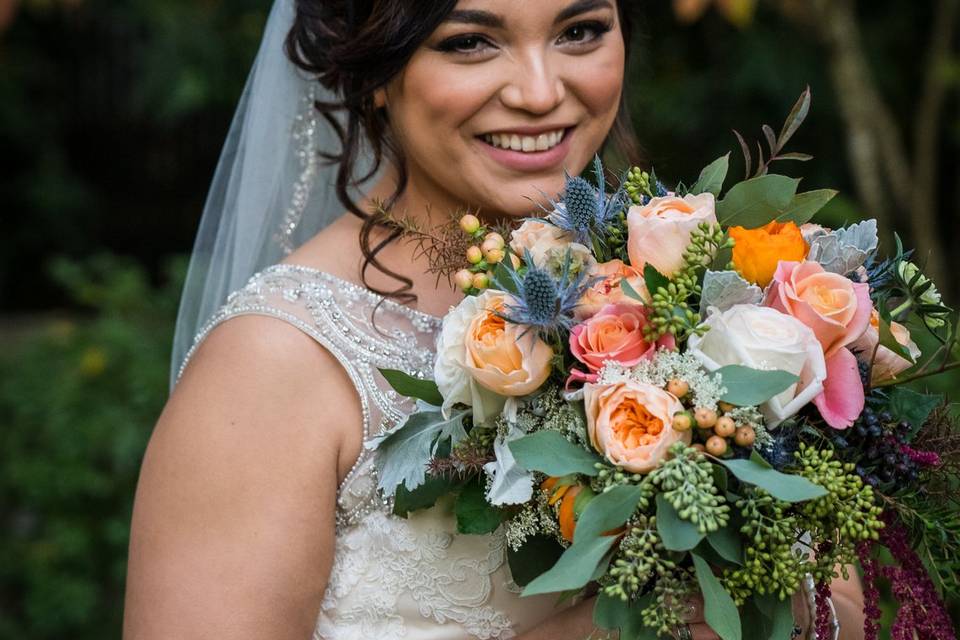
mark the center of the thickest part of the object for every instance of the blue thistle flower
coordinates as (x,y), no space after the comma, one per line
(541,300)
(584,210)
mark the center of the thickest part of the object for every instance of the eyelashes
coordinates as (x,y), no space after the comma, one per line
(581,34)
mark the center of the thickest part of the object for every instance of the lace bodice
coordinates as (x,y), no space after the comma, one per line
(391,577)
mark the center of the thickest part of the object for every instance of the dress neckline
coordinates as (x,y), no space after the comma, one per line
(382,301)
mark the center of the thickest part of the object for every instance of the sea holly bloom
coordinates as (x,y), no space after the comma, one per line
(838,311)
(614,334)
(757,252)
(658,232)
(629,423)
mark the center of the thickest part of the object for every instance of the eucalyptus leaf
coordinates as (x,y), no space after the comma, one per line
(629,291)
(575,567)
(806,205)
(726,541)
(608,511)
(780,615)
(423,497)
(613,613)
(474,514)
(719,610)
(533,558)
(675,533)
(911,406)
(786,487)
(757,201)
(712,177)
(402,454)
(725,289)
(746,387)
(410,387)
(552,454)
(797,115)
(653,279)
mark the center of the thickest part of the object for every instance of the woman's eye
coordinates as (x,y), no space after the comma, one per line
(584,32)
(464,44)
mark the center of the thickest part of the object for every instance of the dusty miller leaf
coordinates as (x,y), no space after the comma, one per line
(845,250)
(725,289)
(402,454)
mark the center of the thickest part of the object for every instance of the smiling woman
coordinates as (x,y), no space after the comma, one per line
(257,513)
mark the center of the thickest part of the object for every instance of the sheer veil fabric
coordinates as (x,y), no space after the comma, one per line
(271,191)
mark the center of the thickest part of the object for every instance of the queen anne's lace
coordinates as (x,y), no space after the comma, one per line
(391,577)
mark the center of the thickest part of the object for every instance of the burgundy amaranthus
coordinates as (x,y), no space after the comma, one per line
(922,458)
(921,611)
(823,622)
(871,594)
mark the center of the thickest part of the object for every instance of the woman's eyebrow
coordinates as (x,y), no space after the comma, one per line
(476,16)
(581,6)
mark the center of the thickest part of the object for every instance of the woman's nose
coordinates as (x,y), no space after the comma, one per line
(535,88)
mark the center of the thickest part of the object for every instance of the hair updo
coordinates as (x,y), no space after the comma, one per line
(355,47)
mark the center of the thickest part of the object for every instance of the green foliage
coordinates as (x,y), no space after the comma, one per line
(77,404)
(552,454)
(712,177)
(755,202)
(608,511)
(527,562)
(718,608)
(576,567)
(642,556)
(686,483)
(474,514)
(748,387)
(783,486)
(410,387)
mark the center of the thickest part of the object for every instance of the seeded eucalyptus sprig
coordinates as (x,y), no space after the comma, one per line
(671,301)
(642,556)
(686,481)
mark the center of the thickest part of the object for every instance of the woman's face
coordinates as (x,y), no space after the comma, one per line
(504,96)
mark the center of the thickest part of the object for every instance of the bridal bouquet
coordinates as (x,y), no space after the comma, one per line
(661,393)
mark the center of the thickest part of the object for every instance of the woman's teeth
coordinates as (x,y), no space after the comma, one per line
(526,144)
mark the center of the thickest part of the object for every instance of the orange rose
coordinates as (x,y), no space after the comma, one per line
(758,251)
(630,423)
(608,290)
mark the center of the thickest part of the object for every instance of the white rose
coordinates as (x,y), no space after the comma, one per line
(453,378)
(764,338)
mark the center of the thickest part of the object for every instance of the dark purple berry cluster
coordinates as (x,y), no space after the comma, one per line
(877,445)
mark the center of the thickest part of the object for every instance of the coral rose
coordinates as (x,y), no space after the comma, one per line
(838,311)
(887,364)
(659,232)
(615,333)
(630,423)
(478,352)
(607,289)
(757,252)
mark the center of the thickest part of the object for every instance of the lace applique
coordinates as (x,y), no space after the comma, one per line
(383,567)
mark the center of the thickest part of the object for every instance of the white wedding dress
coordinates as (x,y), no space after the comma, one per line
(392,577)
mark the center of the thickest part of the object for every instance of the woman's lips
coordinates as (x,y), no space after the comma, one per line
(530,161)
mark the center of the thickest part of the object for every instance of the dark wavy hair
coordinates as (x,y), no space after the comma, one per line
(355,47)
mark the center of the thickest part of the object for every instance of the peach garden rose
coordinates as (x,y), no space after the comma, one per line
(607,290)
(659,232)
(481,358)
(887,364)
(629,423)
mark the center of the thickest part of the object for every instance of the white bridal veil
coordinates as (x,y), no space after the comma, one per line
(270,193)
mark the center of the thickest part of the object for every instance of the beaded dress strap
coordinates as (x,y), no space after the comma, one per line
(364,332)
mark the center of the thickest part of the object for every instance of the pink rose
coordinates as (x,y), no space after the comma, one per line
(540,239)
(659,232)
(630,423)
(608,290)
(887,364)
(614,333)
(838,311)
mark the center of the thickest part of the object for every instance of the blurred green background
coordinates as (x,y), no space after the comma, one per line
(112,113)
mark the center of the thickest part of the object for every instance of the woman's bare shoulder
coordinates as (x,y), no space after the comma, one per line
(233,526)
(334,250)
